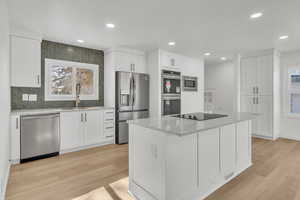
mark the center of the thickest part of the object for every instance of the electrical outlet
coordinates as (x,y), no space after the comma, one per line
(25,97)
(32,97)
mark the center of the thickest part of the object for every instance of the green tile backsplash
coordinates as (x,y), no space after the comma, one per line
(66,52)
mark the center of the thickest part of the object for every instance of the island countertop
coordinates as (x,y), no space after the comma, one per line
(181,127)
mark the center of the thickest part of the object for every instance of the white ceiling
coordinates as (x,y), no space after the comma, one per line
(221,27)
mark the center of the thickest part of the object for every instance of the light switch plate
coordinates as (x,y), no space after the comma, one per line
(25,97)
(32,97)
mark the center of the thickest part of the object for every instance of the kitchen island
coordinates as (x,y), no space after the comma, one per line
(171,158)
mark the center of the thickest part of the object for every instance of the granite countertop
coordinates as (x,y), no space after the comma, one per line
(56,110)
(181,127)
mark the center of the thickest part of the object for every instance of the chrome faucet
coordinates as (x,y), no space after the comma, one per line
(78,87)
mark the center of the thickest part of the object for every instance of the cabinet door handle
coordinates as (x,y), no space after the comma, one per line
(253,99)
(253,90)
(85,117)
(17,123)
(81,117)
(38,79)
(256,90)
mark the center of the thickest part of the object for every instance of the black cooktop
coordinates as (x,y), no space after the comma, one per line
(200,116)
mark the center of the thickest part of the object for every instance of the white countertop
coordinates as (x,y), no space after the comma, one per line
(181,127)
(56,110)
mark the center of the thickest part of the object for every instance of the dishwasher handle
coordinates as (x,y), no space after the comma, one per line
(43,116)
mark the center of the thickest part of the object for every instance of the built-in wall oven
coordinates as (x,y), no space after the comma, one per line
(170,83)
(171,92)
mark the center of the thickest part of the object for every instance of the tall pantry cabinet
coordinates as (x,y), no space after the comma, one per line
(260,92)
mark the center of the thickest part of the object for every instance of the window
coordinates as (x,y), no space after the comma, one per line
(293,90)
(61,78)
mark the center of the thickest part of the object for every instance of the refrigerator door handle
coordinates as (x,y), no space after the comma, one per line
(133,94)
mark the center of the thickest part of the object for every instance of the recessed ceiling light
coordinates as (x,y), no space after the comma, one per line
(109,25)
(80,41)
(223,58)
(172,43)
(207,54)
(283,37)
(256,15)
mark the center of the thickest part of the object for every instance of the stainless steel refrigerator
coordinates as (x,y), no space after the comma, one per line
(132,101)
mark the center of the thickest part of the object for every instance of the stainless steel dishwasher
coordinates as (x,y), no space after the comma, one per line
(40,136)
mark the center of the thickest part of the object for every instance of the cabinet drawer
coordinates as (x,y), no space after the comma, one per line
(109,115)
(109,134)
(109,127)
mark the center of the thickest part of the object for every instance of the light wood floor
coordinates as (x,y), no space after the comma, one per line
(101,174)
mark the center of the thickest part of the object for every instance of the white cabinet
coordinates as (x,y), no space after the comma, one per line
(228,151)
(93,127)
(15,138)
(81,128)
(109,124)
(71,130)
(129,61)
(25,62)
(208,159)
(257,92)
(243,138)
(170,60)
(256,75)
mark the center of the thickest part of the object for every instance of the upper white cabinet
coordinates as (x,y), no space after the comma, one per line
(25,62)
(128,61)
(170,60)
(257,75)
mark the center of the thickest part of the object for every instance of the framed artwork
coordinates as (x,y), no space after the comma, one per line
(61,78)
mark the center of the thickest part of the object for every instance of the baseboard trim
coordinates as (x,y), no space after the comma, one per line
(290,138)
(87,146)
(6,181)
(263,137)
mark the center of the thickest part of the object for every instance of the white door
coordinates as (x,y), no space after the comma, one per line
(228,151)
(25,62)
(208,159)
(248,75)
(93,127)
(242,138)
(71,130)
(265,75)
(264,119)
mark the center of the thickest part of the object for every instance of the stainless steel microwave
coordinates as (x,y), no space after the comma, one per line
(190,83)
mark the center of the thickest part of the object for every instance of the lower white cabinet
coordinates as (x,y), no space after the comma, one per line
(228,150)
(71,130)
(15,138)
(208,158)
(243,144)
(81,128)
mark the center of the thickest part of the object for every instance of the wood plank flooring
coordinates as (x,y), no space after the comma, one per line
(102,173)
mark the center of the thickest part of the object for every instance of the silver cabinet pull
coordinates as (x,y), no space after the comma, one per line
(85,117)
(256,90)
(111,127)
(38,79)
(253,90)
(253,99)
(17,123)
(81,117)
(109,136)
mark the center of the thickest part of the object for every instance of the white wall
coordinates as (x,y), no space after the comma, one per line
(221,80)
(290,127)
(5,93)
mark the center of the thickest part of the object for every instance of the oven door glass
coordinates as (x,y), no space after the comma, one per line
(171,107)
(190,84)
(171,86)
